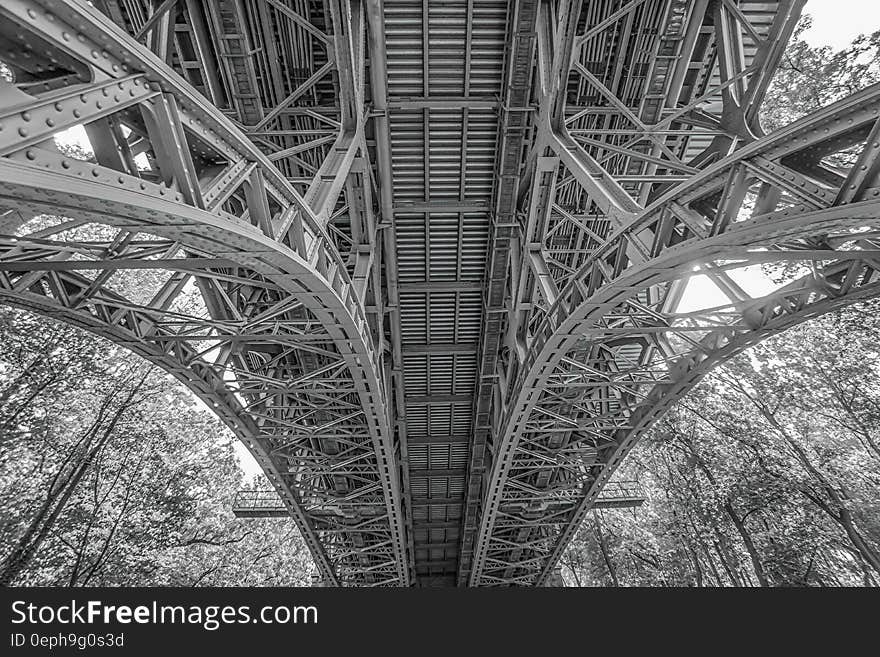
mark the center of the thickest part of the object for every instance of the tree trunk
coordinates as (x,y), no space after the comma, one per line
(748,542)
(843,515)
(603,547)
(712,567)
(61,489)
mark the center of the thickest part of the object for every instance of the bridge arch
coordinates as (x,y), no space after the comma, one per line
(612,353)
(278,342)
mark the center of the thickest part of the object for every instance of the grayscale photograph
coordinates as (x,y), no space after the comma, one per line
(308,295)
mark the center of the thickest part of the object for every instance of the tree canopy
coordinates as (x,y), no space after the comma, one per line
(110,473)
(767,473)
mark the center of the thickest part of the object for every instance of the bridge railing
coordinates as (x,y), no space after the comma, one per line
(258,504)
(620,494)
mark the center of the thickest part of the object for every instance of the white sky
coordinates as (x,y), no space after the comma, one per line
(837,22)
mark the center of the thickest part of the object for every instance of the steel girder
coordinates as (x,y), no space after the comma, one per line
(598,348)
(184,242)
(514,132)
(438,105)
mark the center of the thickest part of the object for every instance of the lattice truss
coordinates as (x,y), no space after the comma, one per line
(648,167)
(230,241)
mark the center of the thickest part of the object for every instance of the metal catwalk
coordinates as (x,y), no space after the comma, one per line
(426,258)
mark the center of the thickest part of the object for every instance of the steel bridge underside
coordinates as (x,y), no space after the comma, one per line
(428,260)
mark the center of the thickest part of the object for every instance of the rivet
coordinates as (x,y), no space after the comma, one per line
(31,155)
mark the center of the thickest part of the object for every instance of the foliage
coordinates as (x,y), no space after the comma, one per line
(767,473)
(111,475)
(810,78)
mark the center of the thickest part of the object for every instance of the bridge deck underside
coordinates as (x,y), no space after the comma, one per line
(445,64)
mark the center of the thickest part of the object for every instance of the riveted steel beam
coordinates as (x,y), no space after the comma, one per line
(243,295)
(598,374)
(591,385)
